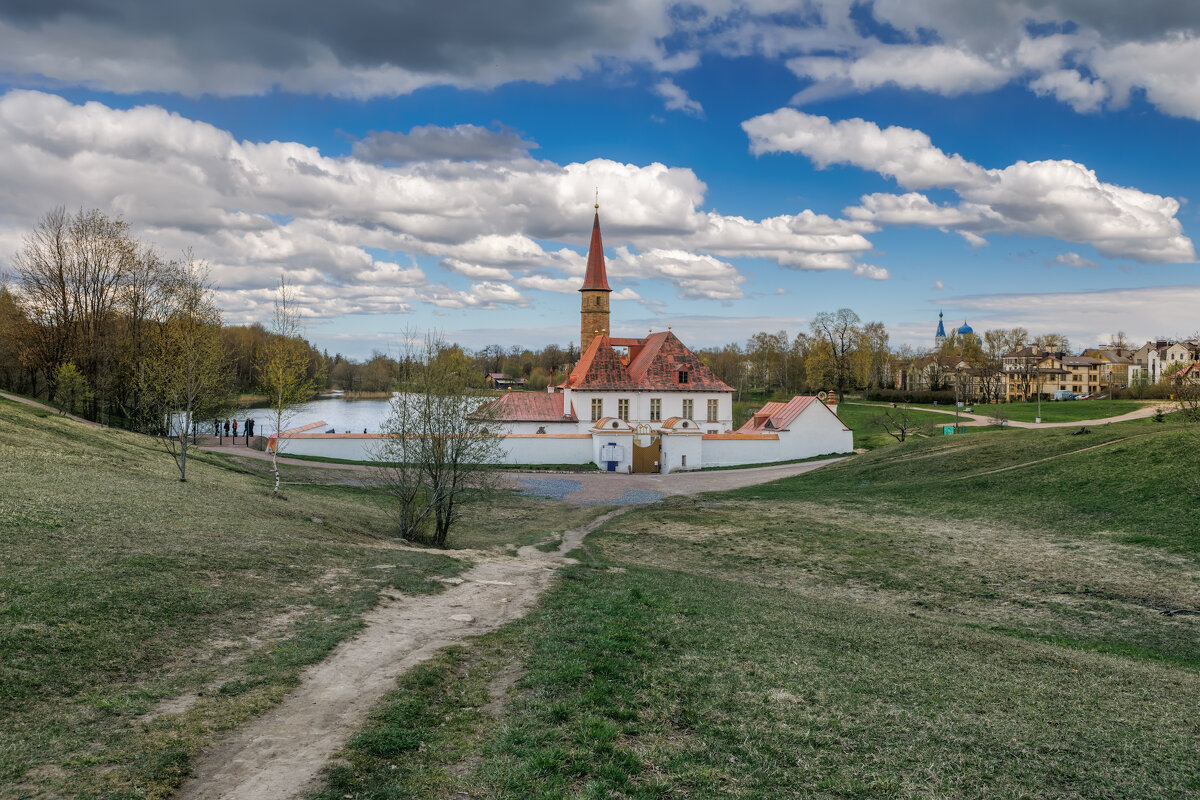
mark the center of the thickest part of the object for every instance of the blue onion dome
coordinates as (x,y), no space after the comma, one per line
(965,329)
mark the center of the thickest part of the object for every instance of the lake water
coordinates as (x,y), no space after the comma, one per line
(344,416)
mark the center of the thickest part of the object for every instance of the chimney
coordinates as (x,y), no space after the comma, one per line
(567,398)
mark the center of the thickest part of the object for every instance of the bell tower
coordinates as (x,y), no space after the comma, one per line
(593,307)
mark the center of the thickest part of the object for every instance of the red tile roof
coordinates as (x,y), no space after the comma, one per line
(664,359)
(528,407)
(595,278)
(600,368)
(777,416)
(657,364)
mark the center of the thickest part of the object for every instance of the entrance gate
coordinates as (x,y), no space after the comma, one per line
(647,450)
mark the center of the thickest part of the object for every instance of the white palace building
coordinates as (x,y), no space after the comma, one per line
(632,405)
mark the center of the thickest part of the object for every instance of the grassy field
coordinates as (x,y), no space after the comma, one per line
(1052,410)
(140,617)
(963,617)
(1066,410)
(866,435)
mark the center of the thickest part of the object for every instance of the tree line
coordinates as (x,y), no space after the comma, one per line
(91,316)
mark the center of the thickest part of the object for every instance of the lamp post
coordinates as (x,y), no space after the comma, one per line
(1039,395)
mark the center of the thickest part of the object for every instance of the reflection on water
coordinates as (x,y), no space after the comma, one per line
(343,416)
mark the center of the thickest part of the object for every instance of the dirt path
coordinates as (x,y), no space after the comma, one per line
(1025,464)
(281,753)
(984,419)
(26,401)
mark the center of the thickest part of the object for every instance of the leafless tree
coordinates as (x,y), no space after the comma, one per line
(841,333)
(283,368)
(899,422)
(439,440)
(183,376)
(68,278)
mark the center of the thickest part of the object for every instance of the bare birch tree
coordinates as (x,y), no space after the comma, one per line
(183,374)
(283,368)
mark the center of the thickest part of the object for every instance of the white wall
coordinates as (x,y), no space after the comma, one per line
(621,438)
(547,449)
(353,447)
(736,449)
(815,432)
(557,426)
(681,451)
(519,448)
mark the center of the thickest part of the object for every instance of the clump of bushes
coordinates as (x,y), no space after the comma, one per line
(943,397)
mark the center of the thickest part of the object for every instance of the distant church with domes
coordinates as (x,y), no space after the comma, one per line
(939,338)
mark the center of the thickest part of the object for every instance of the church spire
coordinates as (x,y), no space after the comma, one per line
(595,278)
(593,306)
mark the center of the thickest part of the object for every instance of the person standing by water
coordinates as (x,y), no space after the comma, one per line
(227,426)
(235,430)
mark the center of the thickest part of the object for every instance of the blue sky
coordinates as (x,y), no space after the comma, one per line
(1019,163)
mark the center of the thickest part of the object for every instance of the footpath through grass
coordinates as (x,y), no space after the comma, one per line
(879,628)
(1052,410)
(140,617)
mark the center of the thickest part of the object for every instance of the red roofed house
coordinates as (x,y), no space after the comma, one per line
(650,404)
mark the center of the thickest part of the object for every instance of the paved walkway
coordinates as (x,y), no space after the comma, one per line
(610,488)
(987,419)
(26,401)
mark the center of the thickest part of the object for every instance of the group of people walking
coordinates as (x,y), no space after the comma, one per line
(232,425)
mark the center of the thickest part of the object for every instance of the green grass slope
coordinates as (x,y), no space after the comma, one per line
(1134,480)
(956,618)
(141,616)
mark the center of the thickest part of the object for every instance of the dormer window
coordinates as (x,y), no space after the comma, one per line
(683,376)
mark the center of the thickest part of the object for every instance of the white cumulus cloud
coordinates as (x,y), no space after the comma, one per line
(340,228)
(677,99)
(1059,199)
